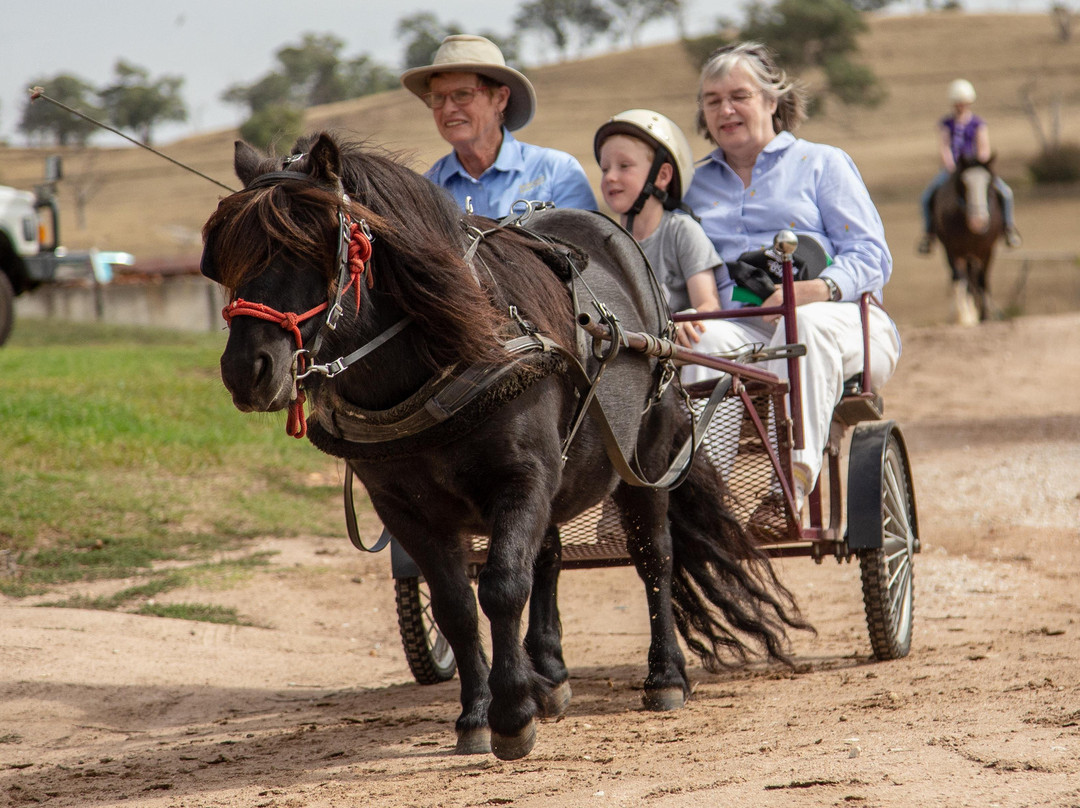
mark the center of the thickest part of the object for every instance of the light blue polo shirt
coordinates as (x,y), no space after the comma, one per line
(520,171)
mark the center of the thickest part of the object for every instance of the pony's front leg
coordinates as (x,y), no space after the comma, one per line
(519,519)
(543,640)
(644,518)
(453,607)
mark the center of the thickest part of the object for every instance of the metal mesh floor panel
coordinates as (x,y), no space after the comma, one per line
(734,447)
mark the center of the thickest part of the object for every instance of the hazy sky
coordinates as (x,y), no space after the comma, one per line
(216,43)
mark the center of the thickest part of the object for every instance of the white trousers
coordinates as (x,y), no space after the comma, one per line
(832,334)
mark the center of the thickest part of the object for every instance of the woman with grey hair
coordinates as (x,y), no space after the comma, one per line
(761,179)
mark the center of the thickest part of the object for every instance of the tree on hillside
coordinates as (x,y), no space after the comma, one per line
(1063,18)
(136,103)
(630,16)
(817,34)
(271,89)
(567,23)
(317,74)
(310,72)
(47,122)
(423,33)
(313,72)
(275,125)
(868,5)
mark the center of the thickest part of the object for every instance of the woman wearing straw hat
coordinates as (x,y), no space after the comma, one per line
(477,101)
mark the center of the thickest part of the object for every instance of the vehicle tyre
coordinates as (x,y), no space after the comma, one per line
(7,307)
(883,530)
(429,655)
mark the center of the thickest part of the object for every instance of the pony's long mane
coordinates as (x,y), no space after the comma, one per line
(418,250)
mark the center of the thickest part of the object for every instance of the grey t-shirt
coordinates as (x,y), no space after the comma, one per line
(677,250)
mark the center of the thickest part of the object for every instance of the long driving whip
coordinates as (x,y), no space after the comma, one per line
(39,92)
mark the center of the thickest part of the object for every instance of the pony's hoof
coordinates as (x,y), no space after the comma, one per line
(554,704)
(474,742)
(512,747)
(663,699)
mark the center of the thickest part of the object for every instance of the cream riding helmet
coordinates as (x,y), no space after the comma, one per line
(670,145)
(961,91)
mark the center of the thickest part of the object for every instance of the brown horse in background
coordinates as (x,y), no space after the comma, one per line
(968,220)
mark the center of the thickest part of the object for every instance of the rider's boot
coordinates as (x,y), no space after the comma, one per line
(1012,236)
(925,244)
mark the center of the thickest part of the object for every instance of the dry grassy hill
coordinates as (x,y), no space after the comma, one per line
(143,204)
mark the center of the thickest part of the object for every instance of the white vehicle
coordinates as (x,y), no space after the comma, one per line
(29,235)
(30,251)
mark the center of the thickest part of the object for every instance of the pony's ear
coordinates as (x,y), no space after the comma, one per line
(247,162)
(325,160)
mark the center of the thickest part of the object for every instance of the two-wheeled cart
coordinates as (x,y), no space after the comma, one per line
(869,515)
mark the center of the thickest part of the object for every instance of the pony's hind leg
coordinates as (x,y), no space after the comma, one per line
(644,518)
(543,640)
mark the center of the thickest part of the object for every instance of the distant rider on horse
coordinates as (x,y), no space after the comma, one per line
(964,134)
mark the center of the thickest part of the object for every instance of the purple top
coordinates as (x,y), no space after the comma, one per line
(962,138)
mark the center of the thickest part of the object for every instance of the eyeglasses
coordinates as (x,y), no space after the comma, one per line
(461,97)
(738,98)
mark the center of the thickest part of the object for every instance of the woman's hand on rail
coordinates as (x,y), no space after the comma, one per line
(811,291)
(687,334)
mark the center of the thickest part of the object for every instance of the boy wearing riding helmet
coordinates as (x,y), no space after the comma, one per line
(964,134)
(645,164)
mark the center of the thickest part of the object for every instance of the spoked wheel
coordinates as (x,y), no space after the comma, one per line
(883,531)
(429,655)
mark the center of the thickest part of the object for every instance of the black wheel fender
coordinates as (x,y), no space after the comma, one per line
(866,465)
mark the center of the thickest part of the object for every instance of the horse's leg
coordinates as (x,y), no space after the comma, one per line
(963,305)
(988,309)
(644,518)
(543,640)
(453,607)
(519,512)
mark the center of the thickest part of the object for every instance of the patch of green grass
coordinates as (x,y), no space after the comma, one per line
(202,612)
(167,581)
(122,449)
(11,737)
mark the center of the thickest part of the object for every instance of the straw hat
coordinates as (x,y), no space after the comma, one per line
(464,53)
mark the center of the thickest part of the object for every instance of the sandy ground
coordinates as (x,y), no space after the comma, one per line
(317,708)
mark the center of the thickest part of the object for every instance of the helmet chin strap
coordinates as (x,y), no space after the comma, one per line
(650,189)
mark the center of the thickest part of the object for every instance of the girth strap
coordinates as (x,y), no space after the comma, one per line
(680,466)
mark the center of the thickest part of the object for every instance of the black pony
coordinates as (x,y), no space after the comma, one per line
(968,220)
(456,406)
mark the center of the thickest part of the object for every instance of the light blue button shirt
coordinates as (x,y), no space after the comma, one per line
(810,188)
(520,171)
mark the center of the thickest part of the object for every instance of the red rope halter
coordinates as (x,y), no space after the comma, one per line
(359,254)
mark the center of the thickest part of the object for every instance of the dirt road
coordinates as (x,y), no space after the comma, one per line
(318,708)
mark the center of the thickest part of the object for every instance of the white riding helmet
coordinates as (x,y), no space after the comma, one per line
(663,135)
(961,91)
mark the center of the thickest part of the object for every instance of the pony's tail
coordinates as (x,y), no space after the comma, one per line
(727,599)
